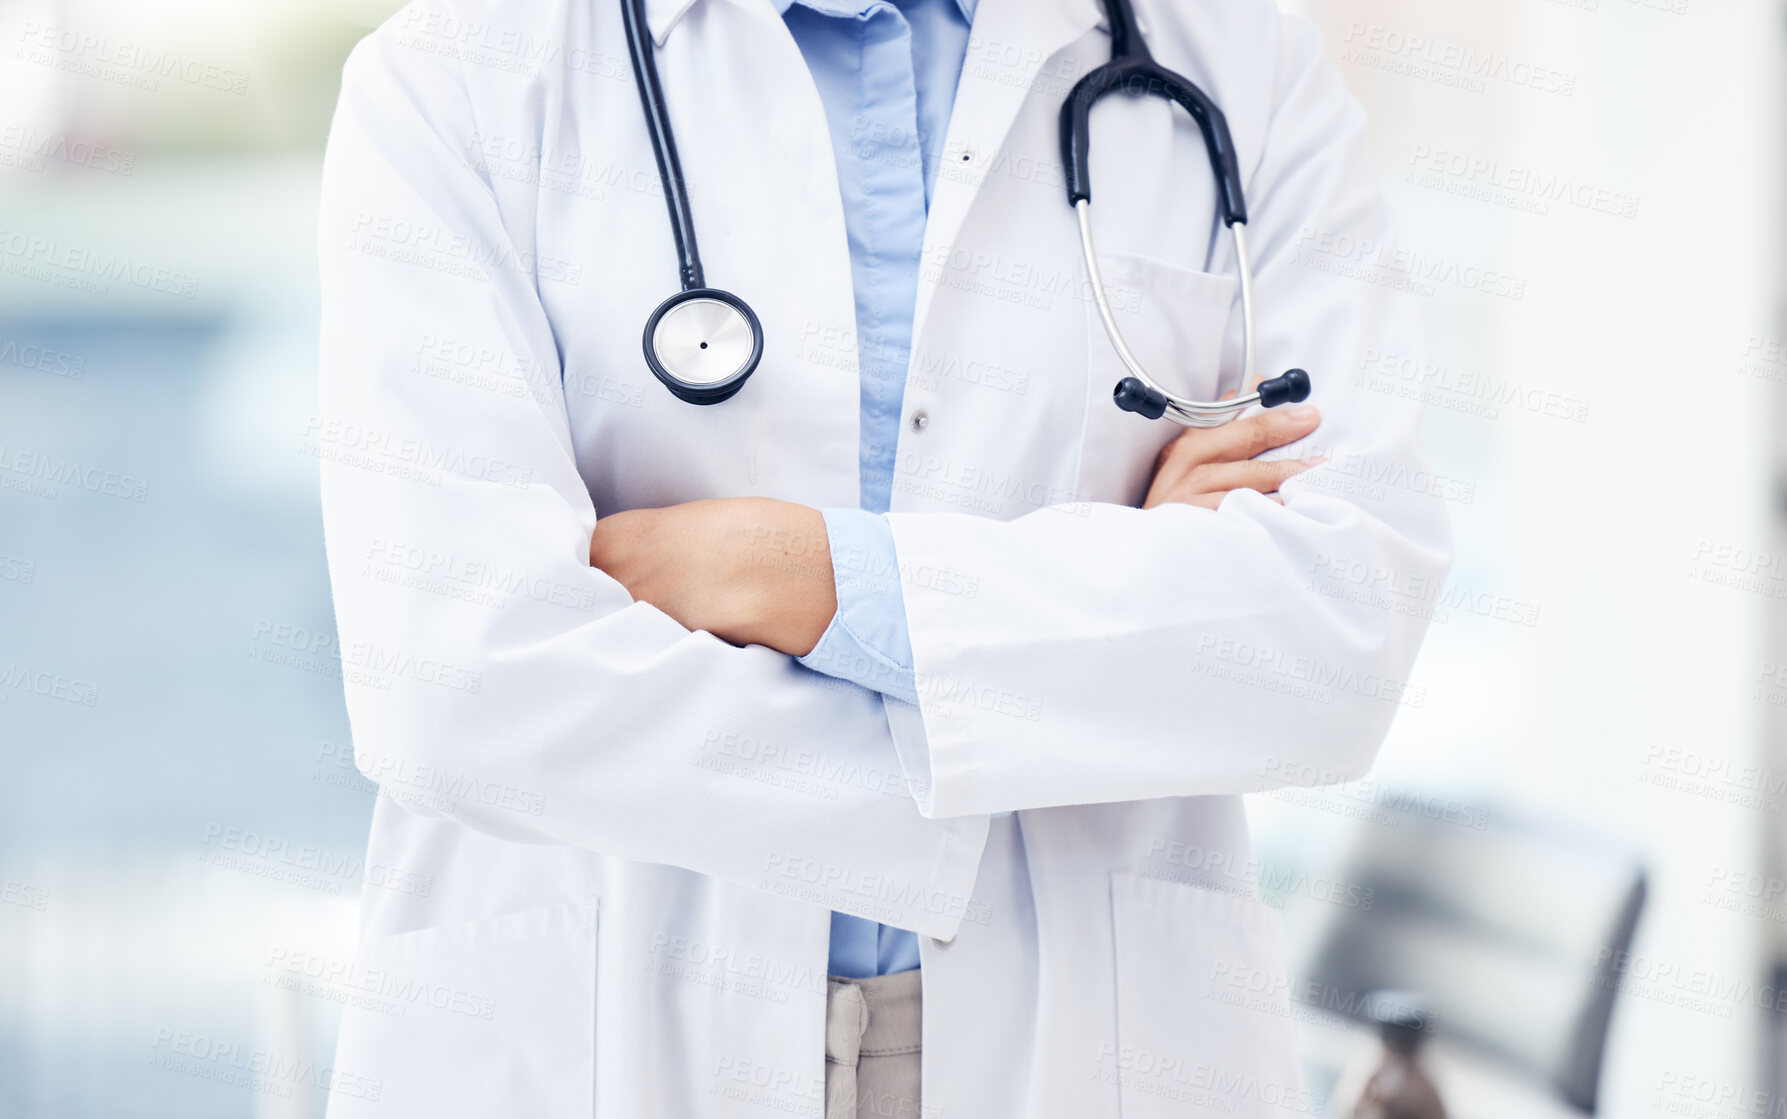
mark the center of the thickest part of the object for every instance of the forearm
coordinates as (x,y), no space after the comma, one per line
(751,571)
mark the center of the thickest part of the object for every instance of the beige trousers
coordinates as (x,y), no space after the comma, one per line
(871,1047)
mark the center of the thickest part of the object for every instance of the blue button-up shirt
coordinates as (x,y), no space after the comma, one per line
(886,71)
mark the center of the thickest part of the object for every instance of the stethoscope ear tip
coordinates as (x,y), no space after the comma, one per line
(1290,387)
(1132,395)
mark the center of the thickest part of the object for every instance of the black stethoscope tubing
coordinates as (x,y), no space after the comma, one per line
(685,320)
(695,291)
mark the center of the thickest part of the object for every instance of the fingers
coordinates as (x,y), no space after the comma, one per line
(1265,477)
(1212,500)
(1245,438)
(1207,485)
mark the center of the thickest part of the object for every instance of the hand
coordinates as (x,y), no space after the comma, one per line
(749,570)
(1204,464)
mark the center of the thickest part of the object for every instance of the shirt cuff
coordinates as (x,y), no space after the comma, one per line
(867,642)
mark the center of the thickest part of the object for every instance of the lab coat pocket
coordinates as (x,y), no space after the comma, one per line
(488,1017)
(1174,320)
(1203,1009)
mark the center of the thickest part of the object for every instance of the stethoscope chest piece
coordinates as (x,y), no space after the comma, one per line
(703,344)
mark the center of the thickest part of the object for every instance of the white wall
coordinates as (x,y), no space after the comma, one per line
(1604,522)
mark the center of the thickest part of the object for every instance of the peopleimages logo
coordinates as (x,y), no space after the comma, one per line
(1263,665)
(87,269)
(1203,865)
(255,1069)
(1397,267)
(411,243)
(21,146)
(120,61)
(1396,804)
(393,452)
(1472,392)
(1457,64)
(42,475)
(1512,185)
(339,980)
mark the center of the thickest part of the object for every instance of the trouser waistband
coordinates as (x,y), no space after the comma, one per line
(874,1017)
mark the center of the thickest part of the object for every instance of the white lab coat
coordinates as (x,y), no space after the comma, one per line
(606,848)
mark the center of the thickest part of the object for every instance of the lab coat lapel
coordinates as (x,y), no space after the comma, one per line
(800,281)
(1010,42)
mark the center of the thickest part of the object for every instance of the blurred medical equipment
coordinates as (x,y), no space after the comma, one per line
(1390,1081)
(1516,935)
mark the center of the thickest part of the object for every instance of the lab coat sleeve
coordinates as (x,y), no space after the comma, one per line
(491,670)
(1112,653)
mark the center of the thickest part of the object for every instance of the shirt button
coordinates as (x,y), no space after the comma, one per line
(920,421)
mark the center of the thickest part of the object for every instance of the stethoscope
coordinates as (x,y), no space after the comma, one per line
(703,343)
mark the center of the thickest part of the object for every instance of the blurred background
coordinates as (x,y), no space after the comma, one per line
(1573,845)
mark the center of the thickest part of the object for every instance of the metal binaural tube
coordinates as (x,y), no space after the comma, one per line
(1190,413)
(1244,266)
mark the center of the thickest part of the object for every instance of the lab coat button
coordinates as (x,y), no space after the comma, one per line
(920,420)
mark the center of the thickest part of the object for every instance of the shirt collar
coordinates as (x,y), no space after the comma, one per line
(663,15)
(857,7)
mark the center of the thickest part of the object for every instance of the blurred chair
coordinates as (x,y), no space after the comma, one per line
(1514,933)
